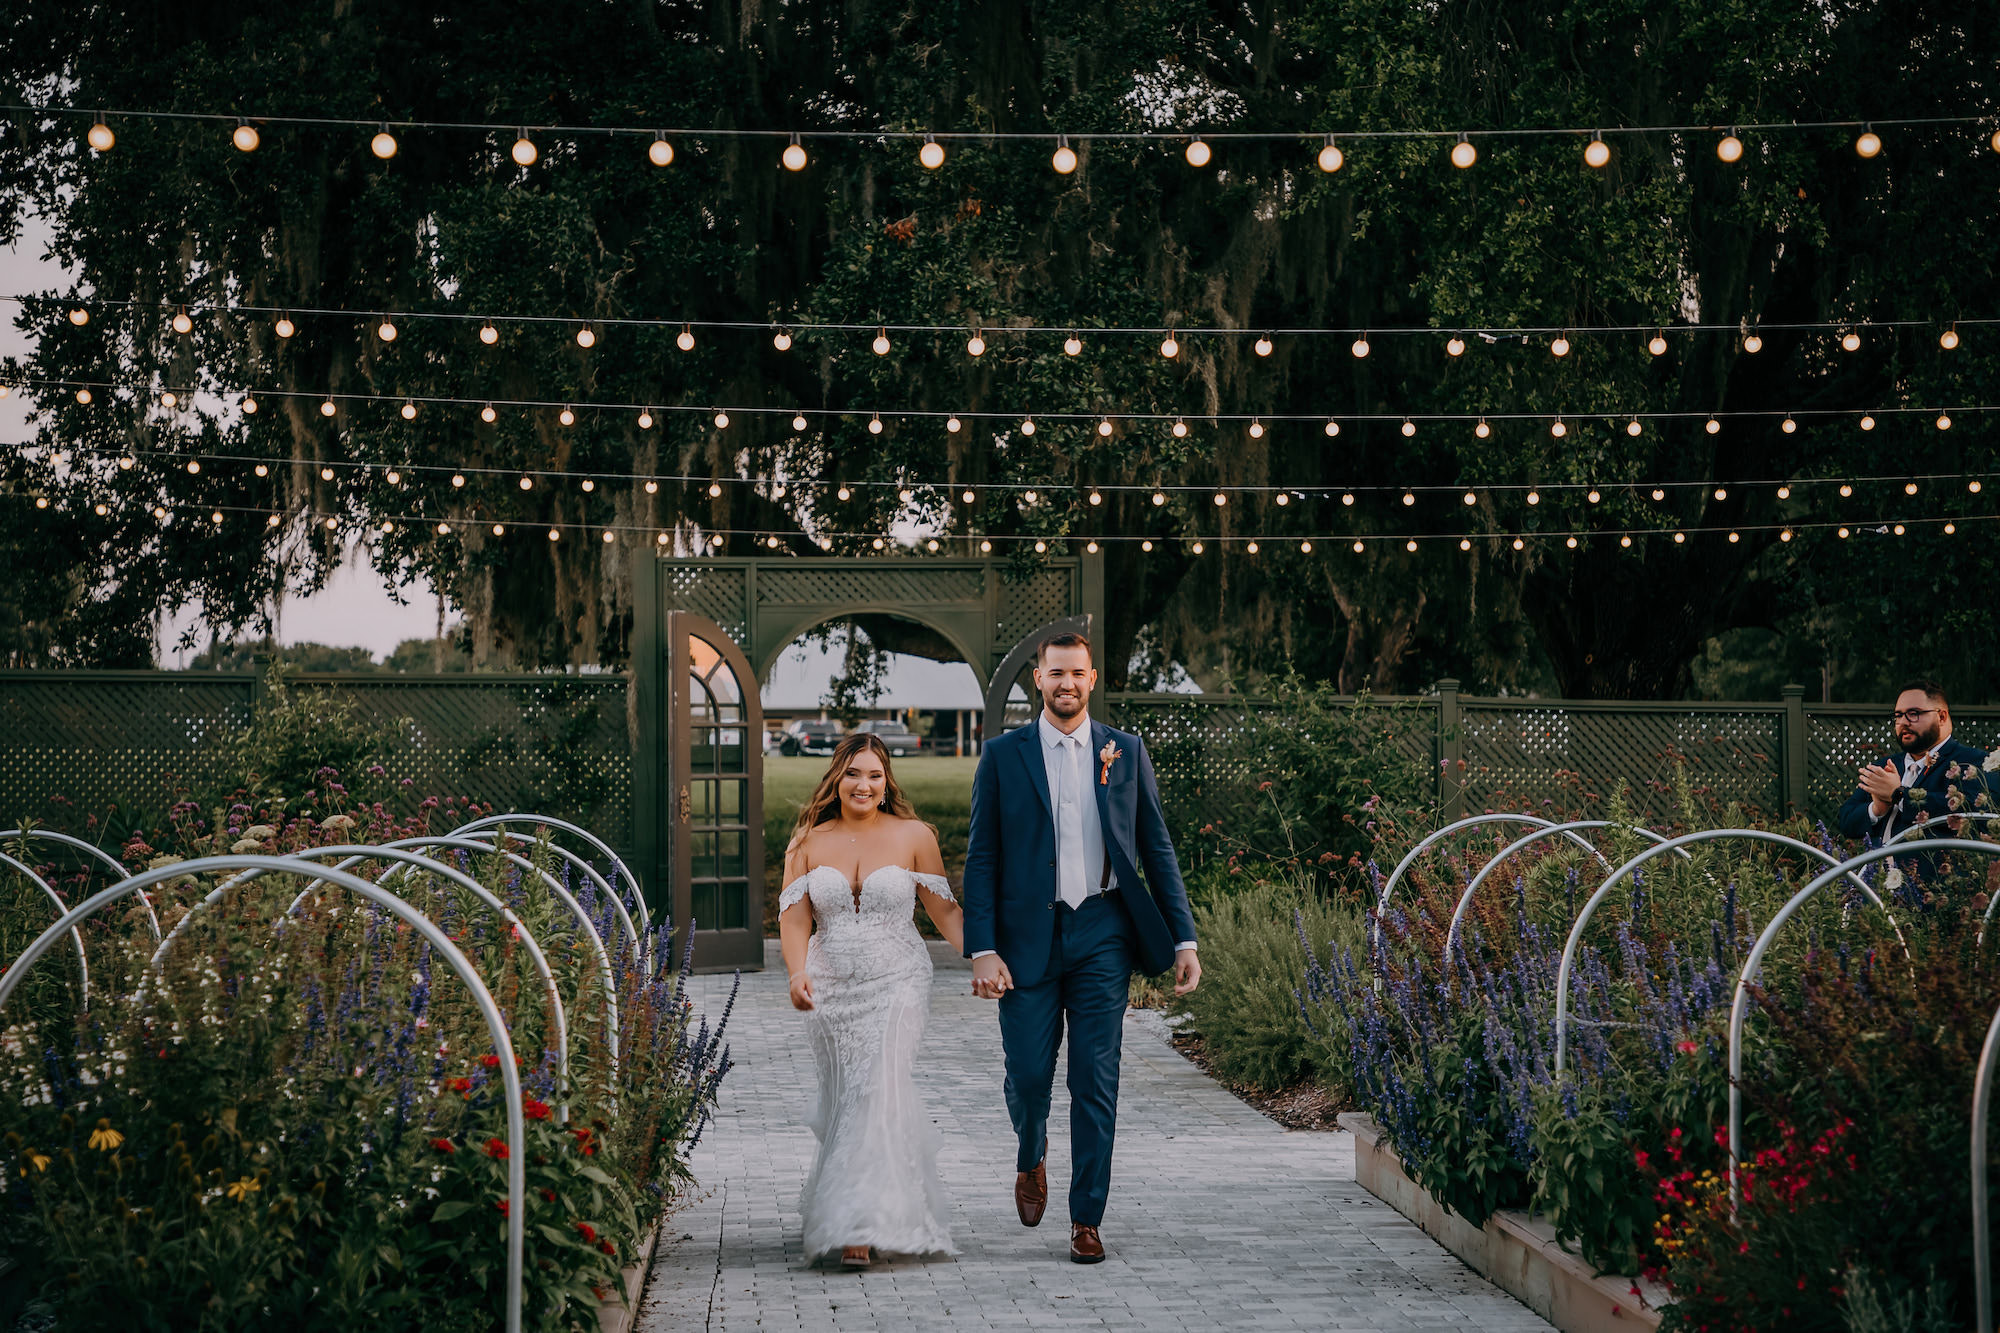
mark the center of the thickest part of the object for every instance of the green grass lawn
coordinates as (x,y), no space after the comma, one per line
(939,787)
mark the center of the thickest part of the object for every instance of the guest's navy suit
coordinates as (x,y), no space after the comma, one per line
(1067,964)
(1856,821)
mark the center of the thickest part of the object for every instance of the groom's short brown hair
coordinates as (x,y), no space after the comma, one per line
(1067,639)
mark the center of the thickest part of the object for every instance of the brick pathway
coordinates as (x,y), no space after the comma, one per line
(1219,1217)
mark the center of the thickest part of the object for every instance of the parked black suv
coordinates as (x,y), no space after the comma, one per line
(809,737)
(896,738)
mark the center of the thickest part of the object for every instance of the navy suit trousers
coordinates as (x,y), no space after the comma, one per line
(1085,990)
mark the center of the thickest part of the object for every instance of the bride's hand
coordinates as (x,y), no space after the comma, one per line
(802,991)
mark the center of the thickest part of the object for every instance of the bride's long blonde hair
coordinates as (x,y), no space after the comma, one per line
(824,804)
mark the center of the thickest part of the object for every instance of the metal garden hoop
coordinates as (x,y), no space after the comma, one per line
(576,831)
(118,869)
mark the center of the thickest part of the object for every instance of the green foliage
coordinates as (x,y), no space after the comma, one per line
(1247,1008)
(297,733)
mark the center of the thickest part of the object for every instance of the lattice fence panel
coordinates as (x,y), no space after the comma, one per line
(1837,744)
(714,592)
(1538,753)
(807,586)
(71,747)
(558,745)
(1028,605)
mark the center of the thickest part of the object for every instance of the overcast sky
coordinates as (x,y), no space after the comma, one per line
(355,608)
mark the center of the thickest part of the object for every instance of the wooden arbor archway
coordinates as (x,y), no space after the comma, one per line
(706,632)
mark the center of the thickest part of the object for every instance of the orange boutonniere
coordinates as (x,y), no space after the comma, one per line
(1106,758)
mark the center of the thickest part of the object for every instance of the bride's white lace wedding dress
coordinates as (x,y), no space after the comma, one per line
(875,1180)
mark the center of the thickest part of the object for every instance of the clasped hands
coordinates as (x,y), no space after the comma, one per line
(991,979)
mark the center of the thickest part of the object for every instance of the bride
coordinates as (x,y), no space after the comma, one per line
(858,862)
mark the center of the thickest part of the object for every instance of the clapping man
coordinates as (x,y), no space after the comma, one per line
(1914,785)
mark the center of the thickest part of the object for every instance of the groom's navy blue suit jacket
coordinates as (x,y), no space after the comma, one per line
(1010,863)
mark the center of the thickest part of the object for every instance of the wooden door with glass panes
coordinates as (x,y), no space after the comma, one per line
(716,794)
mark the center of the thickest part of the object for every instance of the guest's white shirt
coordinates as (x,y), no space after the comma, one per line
(1913,769)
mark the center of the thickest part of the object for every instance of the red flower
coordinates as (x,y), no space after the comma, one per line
(587,1231)
(460,1085)
(548,1196)
(443,1145)
(502,1206)
(1639,1157)
(1685,1047)
(490,1061)
(496,1149)
(533,1109)
(607,1247)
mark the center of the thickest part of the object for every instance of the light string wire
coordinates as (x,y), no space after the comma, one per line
(888,134)
(796,328)
(1313,490)
(1064,416)
(336,520)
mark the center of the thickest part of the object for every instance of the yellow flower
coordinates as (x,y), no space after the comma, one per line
(40,1161)
(242,1189)
(104,1138)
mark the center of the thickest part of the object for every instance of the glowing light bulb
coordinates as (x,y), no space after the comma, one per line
(951,425)
(1409,428)
(79,317)
(1146,545)
(1868,423)
(1519,544)
(645,421)
(194,467)
(685,341)
(1220,499)
(100,137)
(1950,528)
(1330,157)
(169,399)
(126,463)
(1560,347)
(1170,347)
(1593,495)
(1753,344)
(566,416)
(1359,546)
(660,153)
(1948,339)
(653,488)
(527,483)
(798,423)
(409,410)
(1943,422)
(1571,543)
(1788,425)
(1972,486)
(1534,497)
(967,496)
(1158,499)
(1408,498)
(1471,498)
(1557,428)
(1028,426)
(488,415)
(1463,154)
(1197,548)
(722,421)
(457,479)
(326,474)
(795,155)
(1064,160)
(1842,534)
(1198,154)
(608,536)
(1465,543)
(181,322)
(1282,499)
(1633,428)
(875,424)
(1909,488)
(714,489)
(1348,500)
(1784,492)
(1869,144)
(1596,153)
(1256,430)
(383,145)
(1072,345)
(1332,428)
(555,535)
(1262,346)
(386,330)
(975,346)
(931,154)
(245,138)
(1104,427)
(1658,494)
(984,545)
(881,343)
(327,409)
(1455,346)
(1846,490)
(1657,345)
(1031,496)
(1482,430)
(1180,429)
(1712,426)
(284,328)
(1730,148)
(499,529)
(1359,347)
(586,337)
(1721,492)
(1095,498)
(1850,341)
(780,340)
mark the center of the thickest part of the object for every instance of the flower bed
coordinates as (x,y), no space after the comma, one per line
(296,1115)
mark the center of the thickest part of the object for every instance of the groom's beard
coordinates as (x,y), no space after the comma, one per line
(1064,706)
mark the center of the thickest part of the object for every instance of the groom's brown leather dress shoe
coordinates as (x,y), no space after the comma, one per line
(1031,1194)
(1085,1246)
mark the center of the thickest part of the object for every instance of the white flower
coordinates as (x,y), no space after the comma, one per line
(243,845)
(260,832)
(1893,880)
(337,823)
(1991,761)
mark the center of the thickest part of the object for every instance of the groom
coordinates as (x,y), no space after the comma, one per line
(1065,817)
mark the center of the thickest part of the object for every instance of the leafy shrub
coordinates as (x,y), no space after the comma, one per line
(1247,1007)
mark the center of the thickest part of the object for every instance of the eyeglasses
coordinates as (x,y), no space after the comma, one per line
(1911,714)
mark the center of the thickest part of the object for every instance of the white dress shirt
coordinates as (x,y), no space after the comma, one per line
(1072,769)
(1913,769)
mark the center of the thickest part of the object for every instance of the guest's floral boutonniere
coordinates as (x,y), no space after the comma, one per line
(1107,757)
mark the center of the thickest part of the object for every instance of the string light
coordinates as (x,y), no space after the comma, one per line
(686,339)
(1359,546)
(567,416)
(1784,492)
(722,421)
(1095,497)
(1170,346)
(1658,494)
(1104,427)
(798,423)
(1330,157)
(1409,499)
(100,137)
(1158,499)
(1633,428)
(386,330)
(1593,495)
(409,410)
(1360,346)
(1867,423)
(327,409)
(1410,545)
(844,494)
(1943,422)
(488,334)
(1625,541)
(1146,545)
(1471,498)
(1730,149)
(586,337)
(1752,343)
(714,490)
(1571,543)
(396,479)
(1409,428)
(326,474)
(1282,499)
(780,340)
(1064,160)
(1657,345)
(1850,341)
(194,467)
(975,345)
(1846,490)
(1721,492)
(931,155)
(968,496)
(1788,425)
(645,421)
(79,316)
(1597,152)
(383,145)
(951,425)
(1557,428)
(284,328)
(1560,346)
(795,155)
(1948,339)
(1973,485)
(1869,144)
(1454,346)
(260,469)
(1220,499)
(1179,429)
(1197,154)
(1843,534)
(1197,548)
(1072,345)
(1465,543)
(1785,536)
(1519,544)
(1463,154)
(488,415)
(1482,430)
(875,424)
(1909,488)
(1534,497)
(881,343)
(249,406)
(1950,528)
(660,153)
(181,322)
(1712,426)
(1256,429)
(1332,427)
(1263,344)
(1028,426)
